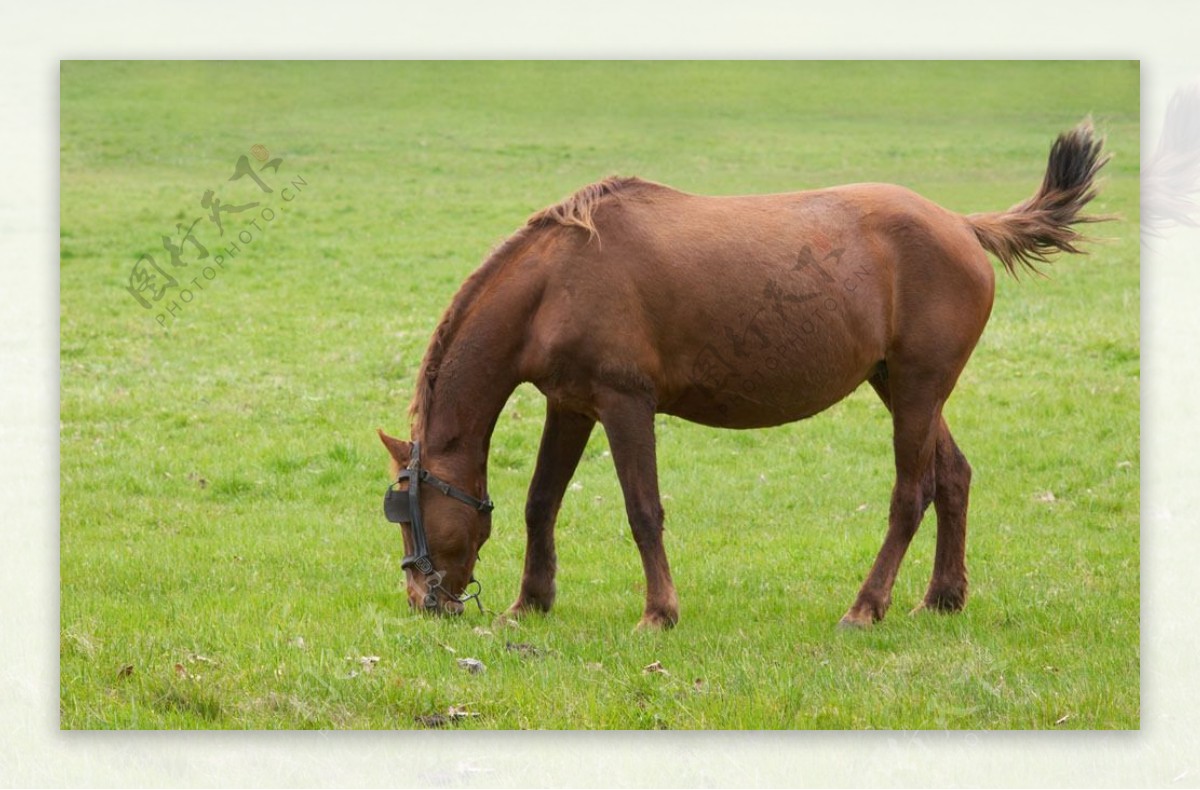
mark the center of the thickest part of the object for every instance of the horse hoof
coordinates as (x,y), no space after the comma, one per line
(507,619)
(854,622)
(656,623)
(939,605)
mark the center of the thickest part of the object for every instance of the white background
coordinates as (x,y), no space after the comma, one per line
(34,752)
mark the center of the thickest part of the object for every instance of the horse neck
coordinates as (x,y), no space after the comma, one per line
(458,428)
(477,374)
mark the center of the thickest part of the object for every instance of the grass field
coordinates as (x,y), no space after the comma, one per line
(224,560)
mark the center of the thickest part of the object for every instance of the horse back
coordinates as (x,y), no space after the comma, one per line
(750,310)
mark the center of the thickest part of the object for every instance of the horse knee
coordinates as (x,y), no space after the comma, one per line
(954,476)
(953,460)
(540,509)
(928,488)
(908,505)
(646,523)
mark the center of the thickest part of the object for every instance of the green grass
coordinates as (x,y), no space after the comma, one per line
(224,560)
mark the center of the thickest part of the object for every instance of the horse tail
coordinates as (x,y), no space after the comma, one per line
(1042,225)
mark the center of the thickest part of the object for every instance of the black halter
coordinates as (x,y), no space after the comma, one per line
(404,507)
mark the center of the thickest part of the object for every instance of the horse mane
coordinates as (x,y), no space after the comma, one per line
(467,294)
(576,210)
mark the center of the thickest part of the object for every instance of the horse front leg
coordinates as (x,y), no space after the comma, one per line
(628,421)
(564,438)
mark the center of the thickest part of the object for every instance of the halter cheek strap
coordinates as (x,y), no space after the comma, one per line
(404,507)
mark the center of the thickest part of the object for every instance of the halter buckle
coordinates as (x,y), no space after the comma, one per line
(421,563)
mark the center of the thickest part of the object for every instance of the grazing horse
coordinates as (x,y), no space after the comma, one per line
(631,298)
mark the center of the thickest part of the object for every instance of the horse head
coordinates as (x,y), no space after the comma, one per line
(443,526)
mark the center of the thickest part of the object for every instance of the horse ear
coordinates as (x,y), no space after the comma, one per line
(401,451)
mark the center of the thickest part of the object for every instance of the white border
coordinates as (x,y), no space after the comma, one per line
(33,752)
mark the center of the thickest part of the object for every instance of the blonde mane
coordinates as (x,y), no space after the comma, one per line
(577,209)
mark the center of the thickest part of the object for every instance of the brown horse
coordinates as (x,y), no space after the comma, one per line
(630,298)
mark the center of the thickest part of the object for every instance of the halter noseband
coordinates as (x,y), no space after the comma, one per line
(404,507)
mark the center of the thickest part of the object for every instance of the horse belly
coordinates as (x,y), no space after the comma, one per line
(767,387)
(781,352)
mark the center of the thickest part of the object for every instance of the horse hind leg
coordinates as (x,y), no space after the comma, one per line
(947,485)
(915,404)
(879,381)
(948,585)
(564,438)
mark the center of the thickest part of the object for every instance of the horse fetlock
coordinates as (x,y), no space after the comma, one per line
(946,599)
(657,620)
(532,602)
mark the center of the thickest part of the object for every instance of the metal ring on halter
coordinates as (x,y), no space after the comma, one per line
(472,596)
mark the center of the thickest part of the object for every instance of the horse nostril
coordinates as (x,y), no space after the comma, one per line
(431,601)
